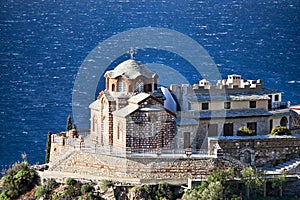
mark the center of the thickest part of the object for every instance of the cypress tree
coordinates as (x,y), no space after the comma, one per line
(69,125)
(48,147)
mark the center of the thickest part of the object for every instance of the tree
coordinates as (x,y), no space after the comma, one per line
(278,183)
(222,176)
(19,179)
(75,126)
(48,147)
(163,191)
(206,191)
(214,191)
(69,125)
(280,130)
(253,179)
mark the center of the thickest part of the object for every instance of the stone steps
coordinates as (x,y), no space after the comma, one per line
(285,166)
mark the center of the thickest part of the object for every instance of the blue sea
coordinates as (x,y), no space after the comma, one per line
(43,44)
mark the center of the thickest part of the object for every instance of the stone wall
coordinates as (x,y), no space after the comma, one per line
(259,151)
(147,169)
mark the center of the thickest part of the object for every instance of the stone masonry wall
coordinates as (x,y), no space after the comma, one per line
(260,151)
(143,168)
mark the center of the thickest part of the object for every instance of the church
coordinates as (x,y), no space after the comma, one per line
(133,115)
(129,115)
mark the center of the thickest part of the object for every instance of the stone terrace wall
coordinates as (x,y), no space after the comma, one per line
(148,169)
(260,151)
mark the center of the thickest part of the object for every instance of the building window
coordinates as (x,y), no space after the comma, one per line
(227,105)
(247,157)
(121,86)
(95,124)
(252,104)
(252,126)
(228,129)
(189,106)
(186,139)
(204,106)
(276,97)
(271,125)
(118,133)
(113,87)
(212,130)
(153,129)
(283,121)
(140,86)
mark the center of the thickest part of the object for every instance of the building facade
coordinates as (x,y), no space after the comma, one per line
(129,115)
(209,110)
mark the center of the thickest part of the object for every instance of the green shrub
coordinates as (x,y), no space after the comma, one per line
(86,188)
(19,179)
(244,131)
(71,191)
(163,191)
(57,196)
(104,184)
(70,181)
(3,196)
(39,192)
(280,130)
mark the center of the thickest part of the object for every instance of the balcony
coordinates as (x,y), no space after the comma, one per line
(278,105)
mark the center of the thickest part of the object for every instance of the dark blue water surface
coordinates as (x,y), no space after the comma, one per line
(44,42)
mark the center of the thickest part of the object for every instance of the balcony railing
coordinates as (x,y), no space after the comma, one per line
(279,105)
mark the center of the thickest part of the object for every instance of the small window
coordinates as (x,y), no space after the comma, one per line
(186,139)
(204,106)
(227,105)
(252,126)
(252,104)
(276,97)
(121,86)
(140,86)
(118,133)
(189,106)
(113,87)
(153,129)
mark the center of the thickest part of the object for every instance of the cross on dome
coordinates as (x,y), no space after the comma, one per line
(131,52)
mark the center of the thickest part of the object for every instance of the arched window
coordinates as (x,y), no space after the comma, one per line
(283,121)
(153,129)
(140,86)
(119,133)
(121,86)
(94,124)
(113,87)
(247,157)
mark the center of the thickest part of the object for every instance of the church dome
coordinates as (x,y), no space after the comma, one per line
(131,69)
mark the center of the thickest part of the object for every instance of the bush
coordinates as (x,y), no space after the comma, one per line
(20,178)
(86,188)
(70,181)
(280,130)
(3,196)
(244,131)
(163,191)
(39,192)
(104,184)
